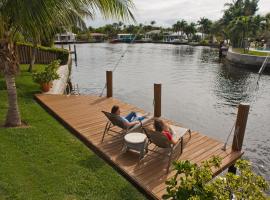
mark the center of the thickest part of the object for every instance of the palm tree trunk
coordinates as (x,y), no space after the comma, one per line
(9,66)
(13,115)
(33,57)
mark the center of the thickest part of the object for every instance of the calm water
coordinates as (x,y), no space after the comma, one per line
(197,90)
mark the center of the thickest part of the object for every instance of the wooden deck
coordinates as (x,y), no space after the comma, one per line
(82,116)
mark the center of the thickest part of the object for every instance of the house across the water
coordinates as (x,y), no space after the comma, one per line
(175,38)
(124,37)
(151,35)
(98,37)
(67,37)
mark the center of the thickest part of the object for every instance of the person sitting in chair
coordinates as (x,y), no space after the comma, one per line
(131,119)
(164,128)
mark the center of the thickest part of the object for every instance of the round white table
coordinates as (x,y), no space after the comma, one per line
(136,141)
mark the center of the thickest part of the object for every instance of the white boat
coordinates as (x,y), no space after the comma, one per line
(179,41)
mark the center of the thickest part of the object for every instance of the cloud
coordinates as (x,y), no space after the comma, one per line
(165,13)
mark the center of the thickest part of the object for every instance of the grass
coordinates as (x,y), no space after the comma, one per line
(44,161)
(250,52)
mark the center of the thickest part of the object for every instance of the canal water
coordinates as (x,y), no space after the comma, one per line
(198,90)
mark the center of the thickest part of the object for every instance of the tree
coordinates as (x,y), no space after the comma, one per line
(180,26)
(27,16)
(244,27)
(153,23)
(190,30)
(120,24)
(176,27)
(238,31)
(194,183)
(217,31)
(238,8)
(204,26)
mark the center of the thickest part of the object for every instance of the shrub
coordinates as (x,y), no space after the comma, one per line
(49,74)
(194,183)
(204,42)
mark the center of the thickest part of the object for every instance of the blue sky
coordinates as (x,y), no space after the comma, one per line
(167,12)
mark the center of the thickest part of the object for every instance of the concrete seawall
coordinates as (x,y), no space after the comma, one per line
(246,61)
(59,85)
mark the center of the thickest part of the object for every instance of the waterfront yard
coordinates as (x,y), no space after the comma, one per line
(250,52)
(44,161)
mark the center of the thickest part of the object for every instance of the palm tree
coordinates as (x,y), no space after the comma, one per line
(153,23)
(76,24)
(176,27)
(205,26)
(190,30)
(27,16)
(120,24)
(267,30)
(239,30)
(180,26)
(238,8)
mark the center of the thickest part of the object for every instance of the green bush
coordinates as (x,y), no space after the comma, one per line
(193,182)
(204,42)
(62,54)
(49,74)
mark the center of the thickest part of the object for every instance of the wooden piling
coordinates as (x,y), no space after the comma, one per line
(240,128)
(157,100)
(109,82)
(75,54)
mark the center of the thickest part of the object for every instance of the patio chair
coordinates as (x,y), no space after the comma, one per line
(116,121)
(161,141)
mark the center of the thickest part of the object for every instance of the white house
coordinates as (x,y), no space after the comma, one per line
(67,37)
(175,37)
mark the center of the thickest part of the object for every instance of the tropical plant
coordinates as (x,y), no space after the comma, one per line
(239,30)
(193,182)
(180,26)
(238,8)
(190,30)
(204,26)
(28,16)
(217,31)
(49,74)
(153,23)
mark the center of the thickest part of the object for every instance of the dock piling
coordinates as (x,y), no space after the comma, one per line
(240,128)
(109,83)
(75,54)
(157,100)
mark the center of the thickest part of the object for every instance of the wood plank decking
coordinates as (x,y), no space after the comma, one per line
(82,116)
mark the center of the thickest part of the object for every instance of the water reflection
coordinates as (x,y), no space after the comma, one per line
(183,50)
(209,55)
(233,85)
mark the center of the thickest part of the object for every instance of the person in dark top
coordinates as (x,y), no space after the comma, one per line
(130,120)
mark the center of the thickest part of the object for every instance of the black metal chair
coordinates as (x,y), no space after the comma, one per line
(117,121)
(161,141)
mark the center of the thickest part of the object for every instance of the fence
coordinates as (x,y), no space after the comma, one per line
(42,56)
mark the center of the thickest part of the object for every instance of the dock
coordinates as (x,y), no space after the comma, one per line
(83,117)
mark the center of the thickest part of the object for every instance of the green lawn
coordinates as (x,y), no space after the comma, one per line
(253,53)
(44,161)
